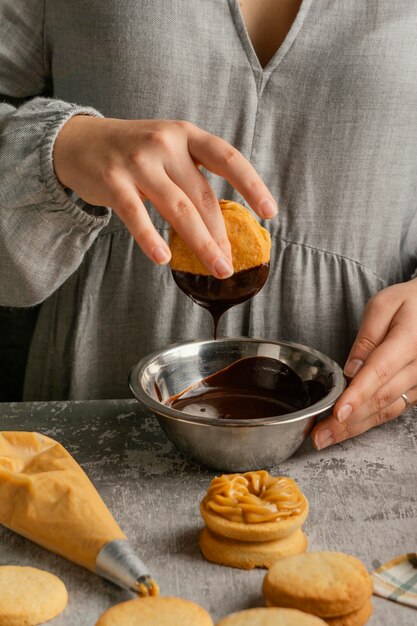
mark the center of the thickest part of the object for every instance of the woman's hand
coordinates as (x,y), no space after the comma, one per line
(119,163)
(382,364)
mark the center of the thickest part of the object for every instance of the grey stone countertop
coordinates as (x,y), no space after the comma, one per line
(362,493)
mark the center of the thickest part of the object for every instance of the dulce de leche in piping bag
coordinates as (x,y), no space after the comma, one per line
(46,497)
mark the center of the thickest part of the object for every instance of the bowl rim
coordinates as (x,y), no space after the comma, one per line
(165,411)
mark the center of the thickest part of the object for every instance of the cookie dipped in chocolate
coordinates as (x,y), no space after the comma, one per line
(250,388)
(216,295)
(250,246)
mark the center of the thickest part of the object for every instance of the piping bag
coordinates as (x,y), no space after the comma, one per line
(46,497)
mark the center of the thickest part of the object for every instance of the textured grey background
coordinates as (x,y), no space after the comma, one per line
(362,494)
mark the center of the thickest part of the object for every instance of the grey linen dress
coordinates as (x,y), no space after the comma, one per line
(330,124)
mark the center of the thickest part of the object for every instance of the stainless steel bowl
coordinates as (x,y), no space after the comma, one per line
(232,445)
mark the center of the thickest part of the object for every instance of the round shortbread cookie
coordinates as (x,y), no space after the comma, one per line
(250,243)
(247,555)
(356,618)
(29,596)
(327,584)
(156,611)
(271,617)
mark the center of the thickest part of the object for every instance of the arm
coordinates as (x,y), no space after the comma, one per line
(106,162)
(43,233)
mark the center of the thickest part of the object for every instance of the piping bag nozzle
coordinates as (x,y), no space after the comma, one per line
(118,562)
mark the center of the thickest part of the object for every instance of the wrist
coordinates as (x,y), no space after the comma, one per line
(68,143)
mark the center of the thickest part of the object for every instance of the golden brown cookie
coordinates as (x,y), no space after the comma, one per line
(29,596)
(251,244)
(246,554)
(356,618)
(254,506)
(327,584)
(156,611)
(271,617)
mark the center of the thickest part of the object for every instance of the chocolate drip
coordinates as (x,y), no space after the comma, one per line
(250,388)
(216,295)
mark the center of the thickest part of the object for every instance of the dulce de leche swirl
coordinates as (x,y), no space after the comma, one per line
(254,497)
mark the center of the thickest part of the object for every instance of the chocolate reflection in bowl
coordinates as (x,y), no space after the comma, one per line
(250,388)
(218,295)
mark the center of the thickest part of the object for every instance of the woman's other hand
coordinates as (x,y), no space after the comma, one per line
(382,365)
(119,163)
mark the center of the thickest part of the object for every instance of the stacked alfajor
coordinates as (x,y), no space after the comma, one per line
(252,520)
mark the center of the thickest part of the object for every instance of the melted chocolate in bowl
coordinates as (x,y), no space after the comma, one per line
(216,295)
(250,388)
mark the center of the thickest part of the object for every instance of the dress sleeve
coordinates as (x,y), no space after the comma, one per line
(44,232)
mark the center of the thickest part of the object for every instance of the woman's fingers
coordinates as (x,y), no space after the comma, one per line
(90,153)
(375,325)
(189,178)
(222,159)
(381,349)
(386,395)
(176,207)
(329,431)
(383,363)
(131,210)
(386,382)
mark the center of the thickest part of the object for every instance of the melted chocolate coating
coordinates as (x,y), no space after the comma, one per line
(217,295)
(250,388)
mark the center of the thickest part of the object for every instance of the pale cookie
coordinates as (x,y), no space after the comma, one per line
(247,555)
(356,618)
(254,506)
(156,611)
(271,617)
(29,596)
(327,584)
(250,243)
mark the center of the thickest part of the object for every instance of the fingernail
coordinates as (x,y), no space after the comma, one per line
(344,412)
(268,208)
(161,255)
(323,439)
(352,367)
(222,268)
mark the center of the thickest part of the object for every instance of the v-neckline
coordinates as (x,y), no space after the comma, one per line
(263,73)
